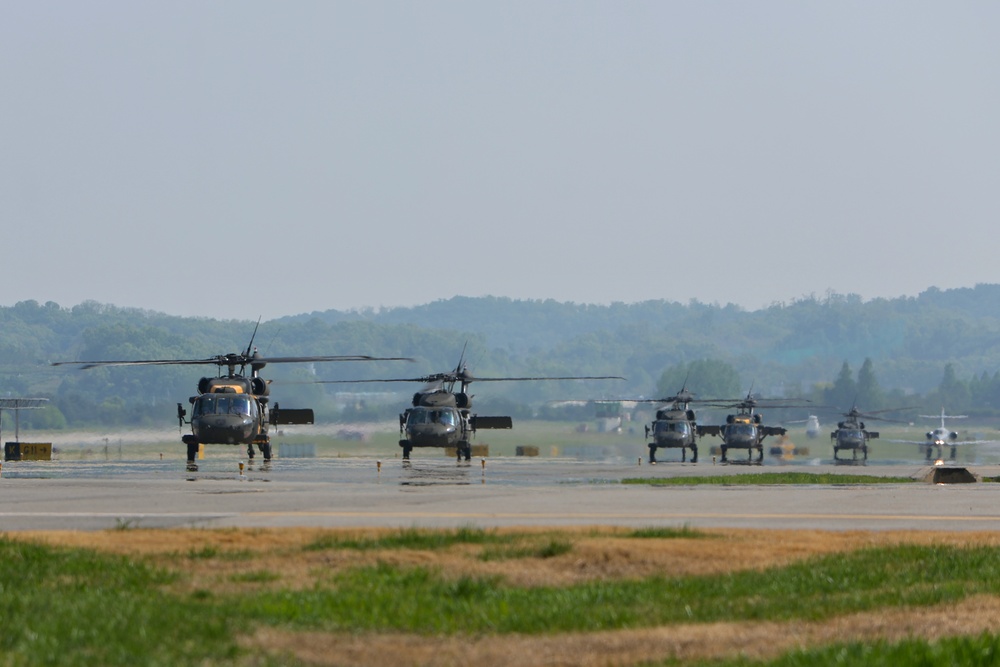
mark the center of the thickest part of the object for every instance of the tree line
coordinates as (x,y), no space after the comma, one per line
(941,347)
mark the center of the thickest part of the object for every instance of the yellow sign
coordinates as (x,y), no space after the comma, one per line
(36,451)
(28,451)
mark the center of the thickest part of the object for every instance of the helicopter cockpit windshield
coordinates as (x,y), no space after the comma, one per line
(212,404)
(667,427)
(744,430)
(446,417)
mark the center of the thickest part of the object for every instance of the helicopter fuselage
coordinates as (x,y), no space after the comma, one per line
(228,419)
(742,431)
(443,419)
(230,410)
(674,428)
(852,436)
(435,426)
(233,410)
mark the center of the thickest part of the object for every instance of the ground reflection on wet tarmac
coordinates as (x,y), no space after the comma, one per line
(426,473)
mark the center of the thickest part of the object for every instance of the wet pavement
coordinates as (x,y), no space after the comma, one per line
(501,491)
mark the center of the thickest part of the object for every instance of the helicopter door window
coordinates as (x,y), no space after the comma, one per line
(204,406)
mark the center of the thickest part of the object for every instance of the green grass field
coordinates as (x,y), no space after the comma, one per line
(63,606)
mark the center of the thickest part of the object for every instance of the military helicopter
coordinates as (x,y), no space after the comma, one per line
(851,433)
(744,429)
(442,417)
(674,426)
(232,408)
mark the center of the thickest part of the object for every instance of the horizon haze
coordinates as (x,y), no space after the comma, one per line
(237,159)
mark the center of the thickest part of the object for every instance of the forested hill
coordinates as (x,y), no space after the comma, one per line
(910,338)
(789,348)
(829,323)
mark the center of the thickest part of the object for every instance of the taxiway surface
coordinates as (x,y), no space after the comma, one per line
(437,492)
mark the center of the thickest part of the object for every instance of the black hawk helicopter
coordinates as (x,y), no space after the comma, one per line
(745,428)
(233,408)
(675,425)
(442,417)
(852,435)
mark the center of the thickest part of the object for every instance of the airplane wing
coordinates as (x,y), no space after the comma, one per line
(947,443)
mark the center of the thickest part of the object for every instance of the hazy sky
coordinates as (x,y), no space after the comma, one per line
(245,158)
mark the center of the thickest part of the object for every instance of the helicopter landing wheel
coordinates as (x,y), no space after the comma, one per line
(464,450)
(652,455)
(406,452)
(192,451)
(250,451)
(265,450)
(694,453)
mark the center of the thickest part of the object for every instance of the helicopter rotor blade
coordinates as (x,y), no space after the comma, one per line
(225,360)
(468,378)
(347,357)
(568,377)
(144,362)
(423,379)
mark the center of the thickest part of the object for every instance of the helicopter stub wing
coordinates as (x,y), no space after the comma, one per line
(291,416)
(772,430)
(478,422)
(709,430)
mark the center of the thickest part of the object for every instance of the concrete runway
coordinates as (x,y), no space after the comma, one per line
(437,492)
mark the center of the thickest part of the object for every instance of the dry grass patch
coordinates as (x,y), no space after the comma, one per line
(217,558)
(702,641)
